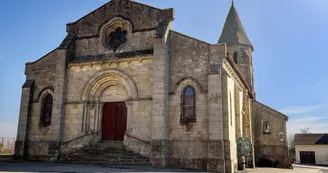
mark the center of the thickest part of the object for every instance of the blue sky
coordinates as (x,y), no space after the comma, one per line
(289,37)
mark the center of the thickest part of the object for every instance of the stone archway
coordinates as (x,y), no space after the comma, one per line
(109,86)
(110,77)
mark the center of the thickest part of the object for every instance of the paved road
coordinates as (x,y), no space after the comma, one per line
(6,166)
(297,169)
(85,168)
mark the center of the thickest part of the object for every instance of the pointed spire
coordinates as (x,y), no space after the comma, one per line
(233,31)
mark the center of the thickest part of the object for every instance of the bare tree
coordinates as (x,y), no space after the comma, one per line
(290,141)
(305,131)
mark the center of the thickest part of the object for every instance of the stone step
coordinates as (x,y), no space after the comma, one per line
(103,148)
(108,157)
(106,152)
(111,144)
(106,162)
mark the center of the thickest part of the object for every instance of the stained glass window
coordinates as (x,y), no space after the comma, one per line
(188,104)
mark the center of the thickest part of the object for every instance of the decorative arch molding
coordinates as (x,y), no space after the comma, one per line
(110,27)
(188,81)
(43,93)
(106,78)
(116,17)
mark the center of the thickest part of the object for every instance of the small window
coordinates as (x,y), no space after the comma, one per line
(235,57)
(188,105)
(266,127)
(46,111)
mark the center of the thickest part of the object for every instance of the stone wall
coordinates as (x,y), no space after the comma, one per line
(136,41)
(273,145)
(244,62)
(48,79)
(81,77)
(142,17)
(188,67)
(189,58)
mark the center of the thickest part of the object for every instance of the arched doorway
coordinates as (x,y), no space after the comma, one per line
(108,107)
(114,121)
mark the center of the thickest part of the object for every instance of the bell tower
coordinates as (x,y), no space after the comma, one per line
(238,45)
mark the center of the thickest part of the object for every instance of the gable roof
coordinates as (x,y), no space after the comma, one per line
(311,139)
(233,31)
(268,108)
(141,17)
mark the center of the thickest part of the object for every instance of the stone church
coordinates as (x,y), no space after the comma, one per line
(122,74)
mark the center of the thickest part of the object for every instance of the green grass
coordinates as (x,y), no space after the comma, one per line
(6,156)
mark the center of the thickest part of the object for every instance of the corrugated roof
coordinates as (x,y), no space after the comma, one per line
(310,139)
(233,31)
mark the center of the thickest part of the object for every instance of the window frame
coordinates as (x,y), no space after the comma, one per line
(235,57)
(45,106)
(183,118)
(266,123)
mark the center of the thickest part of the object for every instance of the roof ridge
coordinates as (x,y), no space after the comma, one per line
(70,23)
(188,36)
(262,104)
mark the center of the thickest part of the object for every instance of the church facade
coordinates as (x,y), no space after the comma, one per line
(123,74)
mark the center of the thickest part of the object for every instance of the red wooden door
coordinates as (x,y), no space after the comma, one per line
(114,121)
(109,119)
(121,121)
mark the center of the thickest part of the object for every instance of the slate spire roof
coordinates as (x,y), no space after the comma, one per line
(233,31)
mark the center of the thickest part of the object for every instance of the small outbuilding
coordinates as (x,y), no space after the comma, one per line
(311,148)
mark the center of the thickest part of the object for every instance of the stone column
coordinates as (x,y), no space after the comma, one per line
(58,110)
(226,124)
(215,162)
(129,126)
(21,144)
(160,101)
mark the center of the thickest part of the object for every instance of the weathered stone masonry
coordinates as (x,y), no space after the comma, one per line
(126,52)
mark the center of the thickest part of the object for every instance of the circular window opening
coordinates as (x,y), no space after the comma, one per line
(117,38)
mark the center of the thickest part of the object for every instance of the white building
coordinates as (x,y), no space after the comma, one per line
(311,148)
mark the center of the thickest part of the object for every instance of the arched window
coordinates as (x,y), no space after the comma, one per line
(235,57)
(188,105)
(46,111)
(266,127)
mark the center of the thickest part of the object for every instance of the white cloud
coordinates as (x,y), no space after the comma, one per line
(315,125)
(292,110)
(8,129)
